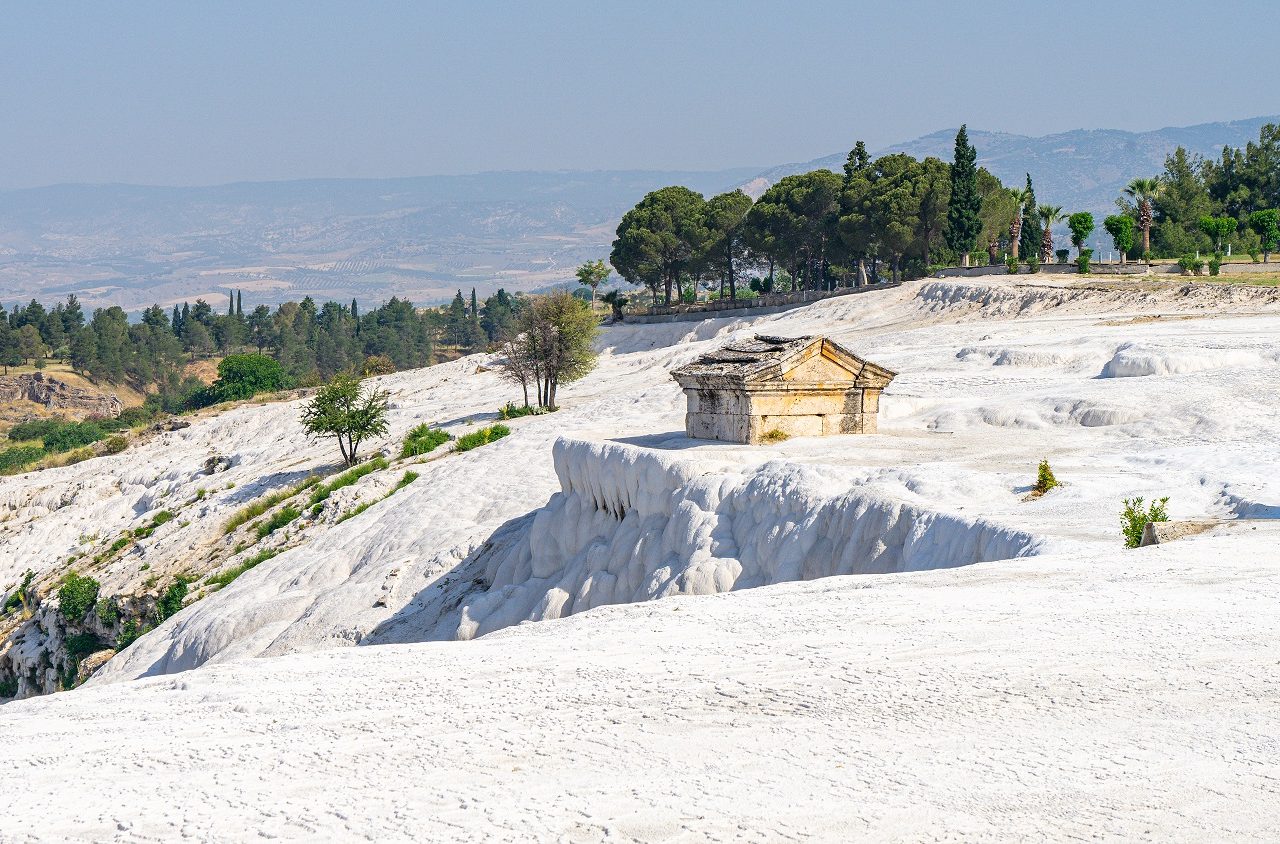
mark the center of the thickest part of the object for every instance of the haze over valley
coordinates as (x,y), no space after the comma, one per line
(424,238)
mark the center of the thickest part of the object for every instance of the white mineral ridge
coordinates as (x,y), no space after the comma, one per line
(957,660)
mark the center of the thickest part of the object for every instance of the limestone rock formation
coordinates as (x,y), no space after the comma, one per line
(53,394)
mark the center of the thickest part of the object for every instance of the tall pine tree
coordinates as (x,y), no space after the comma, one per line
(1032,231)
(964,221)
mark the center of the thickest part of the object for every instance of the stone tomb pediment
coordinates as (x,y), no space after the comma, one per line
(761,387)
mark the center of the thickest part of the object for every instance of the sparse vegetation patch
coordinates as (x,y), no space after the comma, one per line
(422,440)
(76,596)
(1134,519)
(484,436)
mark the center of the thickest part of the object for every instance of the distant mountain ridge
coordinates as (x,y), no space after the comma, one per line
(1081,170)
(423,238)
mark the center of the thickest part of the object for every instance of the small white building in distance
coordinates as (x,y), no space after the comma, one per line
(770,388)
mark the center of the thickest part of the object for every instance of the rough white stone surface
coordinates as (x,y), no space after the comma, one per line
(1083,690)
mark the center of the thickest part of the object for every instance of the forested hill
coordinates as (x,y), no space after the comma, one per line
(1084,169)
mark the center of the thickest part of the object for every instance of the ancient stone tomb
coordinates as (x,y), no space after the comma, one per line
(764,388)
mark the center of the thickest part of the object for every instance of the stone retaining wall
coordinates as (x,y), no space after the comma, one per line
(770,303)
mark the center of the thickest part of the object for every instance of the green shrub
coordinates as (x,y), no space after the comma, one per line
(115,445)
(256,508)
(1045,479)
(1033,263)
(511,411)
(1133,519)
(36,429)
(1082,261)
(1215,265)
(1062,255)
(81,645)
(108,611)
(17,458)
(408,478)
(76,596)
(170,602)
(244,376)
(347,478)
(484,436)
(163,517)
(19,596)
(283,517)
(231,574)
(423,439)
(1011,265)
(775,435)
(72,435)
(129,634)
(132,417)
(1190,263)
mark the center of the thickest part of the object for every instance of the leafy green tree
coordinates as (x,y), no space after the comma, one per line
(964,213)
(554,346)
(592,274)
(84,350)
(1247,180)
(72,316)
(76,596)
(1218,229)
(659,239)
(1120,227)
(343,409)
(497,318)
(1081,225)
(30,344)
(202,313)
(1177,207)
(882,209)
(726,247)
(1143,191)
(1267,224)
(261,329)
(244,376)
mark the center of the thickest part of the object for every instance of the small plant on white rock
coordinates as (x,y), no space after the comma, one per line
(1134,519)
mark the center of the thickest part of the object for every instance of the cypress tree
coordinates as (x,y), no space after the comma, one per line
(1032,231)
(231,303)
(176,322)
(858,160)
(475,308)
(355,316)
(964,223)
(239,305)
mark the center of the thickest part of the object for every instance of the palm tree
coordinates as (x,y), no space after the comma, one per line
(1015,228)
(1142,191)
(1050,215)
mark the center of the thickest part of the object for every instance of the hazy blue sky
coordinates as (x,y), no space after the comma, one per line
(199,93)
